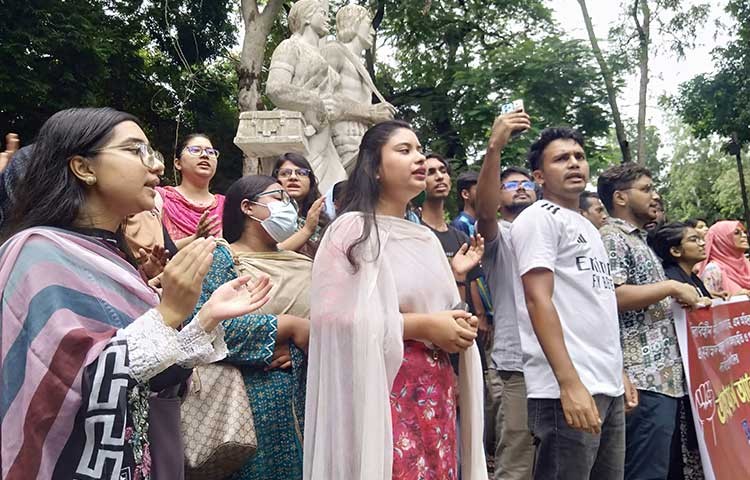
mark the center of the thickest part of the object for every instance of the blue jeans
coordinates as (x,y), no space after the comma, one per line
(564,453)
(650,430)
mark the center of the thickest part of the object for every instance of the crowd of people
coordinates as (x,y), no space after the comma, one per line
(529,337)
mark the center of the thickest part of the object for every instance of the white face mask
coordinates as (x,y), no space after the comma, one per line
(281,223)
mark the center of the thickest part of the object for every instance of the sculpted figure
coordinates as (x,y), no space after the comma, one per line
(300,79)
(354,35)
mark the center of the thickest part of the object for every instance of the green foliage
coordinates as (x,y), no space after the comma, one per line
(123,54)
(459,61)
(718,103)
(702,179)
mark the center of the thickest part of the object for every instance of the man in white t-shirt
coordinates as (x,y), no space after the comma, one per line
(570,337)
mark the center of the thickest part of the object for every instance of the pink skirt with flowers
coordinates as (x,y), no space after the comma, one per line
(423,412)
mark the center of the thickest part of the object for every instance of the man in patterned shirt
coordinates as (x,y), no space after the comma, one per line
(649,341)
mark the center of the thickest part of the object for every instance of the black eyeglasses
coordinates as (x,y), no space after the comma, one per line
(515,185)
(287,172)
(197,151)
(150,158)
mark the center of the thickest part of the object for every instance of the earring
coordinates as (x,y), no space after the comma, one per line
(90,181)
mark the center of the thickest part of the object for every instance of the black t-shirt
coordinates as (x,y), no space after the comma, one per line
(674,272)
(451,240)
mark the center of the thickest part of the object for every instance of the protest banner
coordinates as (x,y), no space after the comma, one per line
(715,347)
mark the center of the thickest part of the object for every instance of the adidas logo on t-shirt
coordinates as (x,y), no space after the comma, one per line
(581,239)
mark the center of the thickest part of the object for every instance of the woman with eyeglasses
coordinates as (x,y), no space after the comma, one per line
(268,345)
(92,360)
(190,210)
(726,269)
(295,174)
(385,315)
(681,247)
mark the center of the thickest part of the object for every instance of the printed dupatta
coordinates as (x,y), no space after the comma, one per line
(64,404)
(356,350)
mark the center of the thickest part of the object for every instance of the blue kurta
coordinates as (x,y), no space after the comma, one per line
(277,397)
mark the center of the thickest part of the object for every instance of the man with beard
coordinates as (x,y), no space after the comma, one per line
(570,336)
(649,341)
(592,208)
(505,410)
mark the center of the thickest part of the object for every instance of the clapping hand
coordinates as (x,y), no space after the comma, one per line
(182,279)
(207,225)
(233,299)
(153,262)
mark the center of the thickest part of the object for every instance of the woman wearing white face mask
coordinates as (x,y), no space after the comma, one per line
(268,347)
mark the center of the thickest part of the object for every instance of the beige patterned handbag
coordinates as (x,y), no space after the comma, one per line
(217,423)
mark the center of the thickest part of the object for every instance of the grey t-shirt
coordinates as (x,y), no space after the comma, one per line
(504,283)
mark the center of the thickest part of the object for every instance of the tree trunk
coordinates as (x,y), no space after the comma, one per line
(644,40)
(257,28)
(622,139)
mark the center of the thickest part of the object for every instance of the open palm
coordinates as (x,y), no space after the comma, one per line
(236,298)
(468,256)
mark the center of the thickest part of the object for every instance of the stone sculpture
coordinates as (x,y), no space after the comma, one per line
(354,91)
(300,79)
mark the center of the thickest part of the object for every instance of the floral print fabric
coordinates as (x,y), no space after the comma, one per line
(423,412)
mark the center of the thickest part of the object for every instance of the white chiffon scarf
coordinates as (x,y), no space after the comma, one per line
(356,349)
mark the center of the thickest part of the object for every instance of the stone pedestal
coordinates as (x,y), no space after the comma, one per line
(272,133)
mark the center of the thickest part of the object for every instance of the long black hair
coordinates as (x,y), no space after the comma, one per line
(301,162)
(664,237)
(48,193)
(363,190)
(233,220)
(177,174)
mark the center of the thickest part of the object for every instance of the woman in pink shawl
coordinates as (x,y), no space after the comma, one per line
(91,359)
(726,269)
(190,210)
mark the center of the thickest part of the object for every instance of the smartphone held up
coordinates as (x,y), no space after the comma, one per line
(512,107)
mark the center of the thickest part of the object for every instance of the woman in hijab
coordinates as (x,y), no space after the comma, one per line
(726,269)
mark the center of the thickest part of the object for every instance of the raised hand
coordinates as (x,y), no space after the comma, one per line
(705,402)
(12,142)
(468,257)
(233,299)
(505,125)
(313,215)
